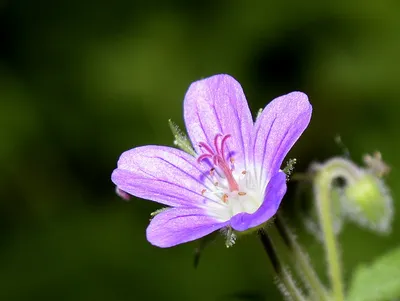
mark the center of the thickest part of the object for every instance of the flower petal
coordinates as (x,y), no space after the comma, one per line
(217,105)
(281,123)
(179,225)
(162,174)
(275,191)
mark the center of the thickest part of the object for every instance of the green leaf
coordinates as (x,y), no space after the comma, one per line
(379,281)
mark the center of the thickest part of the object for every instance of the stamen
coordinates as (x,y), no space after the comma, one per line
(225,198)
(212,171)
(232,160)
(241,193)
(244,172)
(218,159)
(233,185)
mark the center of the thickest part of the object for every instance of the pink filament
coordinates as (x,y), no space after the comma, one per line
(218,159)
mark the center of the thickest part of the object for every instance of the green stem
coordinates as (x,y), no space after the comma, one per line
(325,175)
(281,272)
(304,268)
(322,191)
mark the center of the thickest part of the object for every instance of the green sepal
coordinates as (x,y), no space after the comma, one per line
(181,140)
(259,113)
(288,170)
(153,214)
(368,203)
(230,237)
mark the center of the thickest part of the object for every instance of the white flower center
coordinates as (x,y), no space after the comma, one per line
(233,190)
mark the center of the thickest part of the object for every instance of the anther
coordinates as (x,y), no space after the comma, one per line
(203,191)
(212,170)
(225,198)
(244,172)
(232,160)
(241,193)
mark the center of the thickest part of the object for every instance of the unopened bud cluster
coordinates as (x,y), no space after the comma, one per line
(362,196)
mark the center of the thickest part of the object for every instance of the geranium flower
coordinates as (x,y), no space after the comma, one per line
(234,181)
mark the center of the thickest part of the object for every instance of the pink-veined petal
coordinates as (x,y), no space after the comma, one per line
(179,225)
(217,105)
(162,174)
(275,191)
(276,130)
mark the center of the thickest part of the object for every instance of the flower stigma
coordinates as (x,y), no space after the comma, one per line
(234,189)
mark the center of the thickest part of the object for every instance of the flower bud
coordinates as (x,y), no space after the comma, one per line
(368,203)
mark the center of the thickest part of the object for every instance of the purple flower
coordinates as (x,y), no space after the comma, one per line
(234,181)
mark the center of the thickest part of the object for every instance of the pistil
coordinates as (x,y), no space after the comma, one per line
(218,159)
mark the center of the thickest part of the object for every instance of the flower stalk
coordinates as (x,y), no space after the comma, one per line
(303,265)
(284,277)
(324,178)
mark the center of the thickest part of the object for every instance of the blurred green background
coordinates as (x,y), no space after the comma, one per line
(82,81)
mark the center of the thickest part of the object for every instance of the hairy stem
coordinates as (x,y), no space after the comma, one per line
(325,176)
(283,275)
(303,265)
